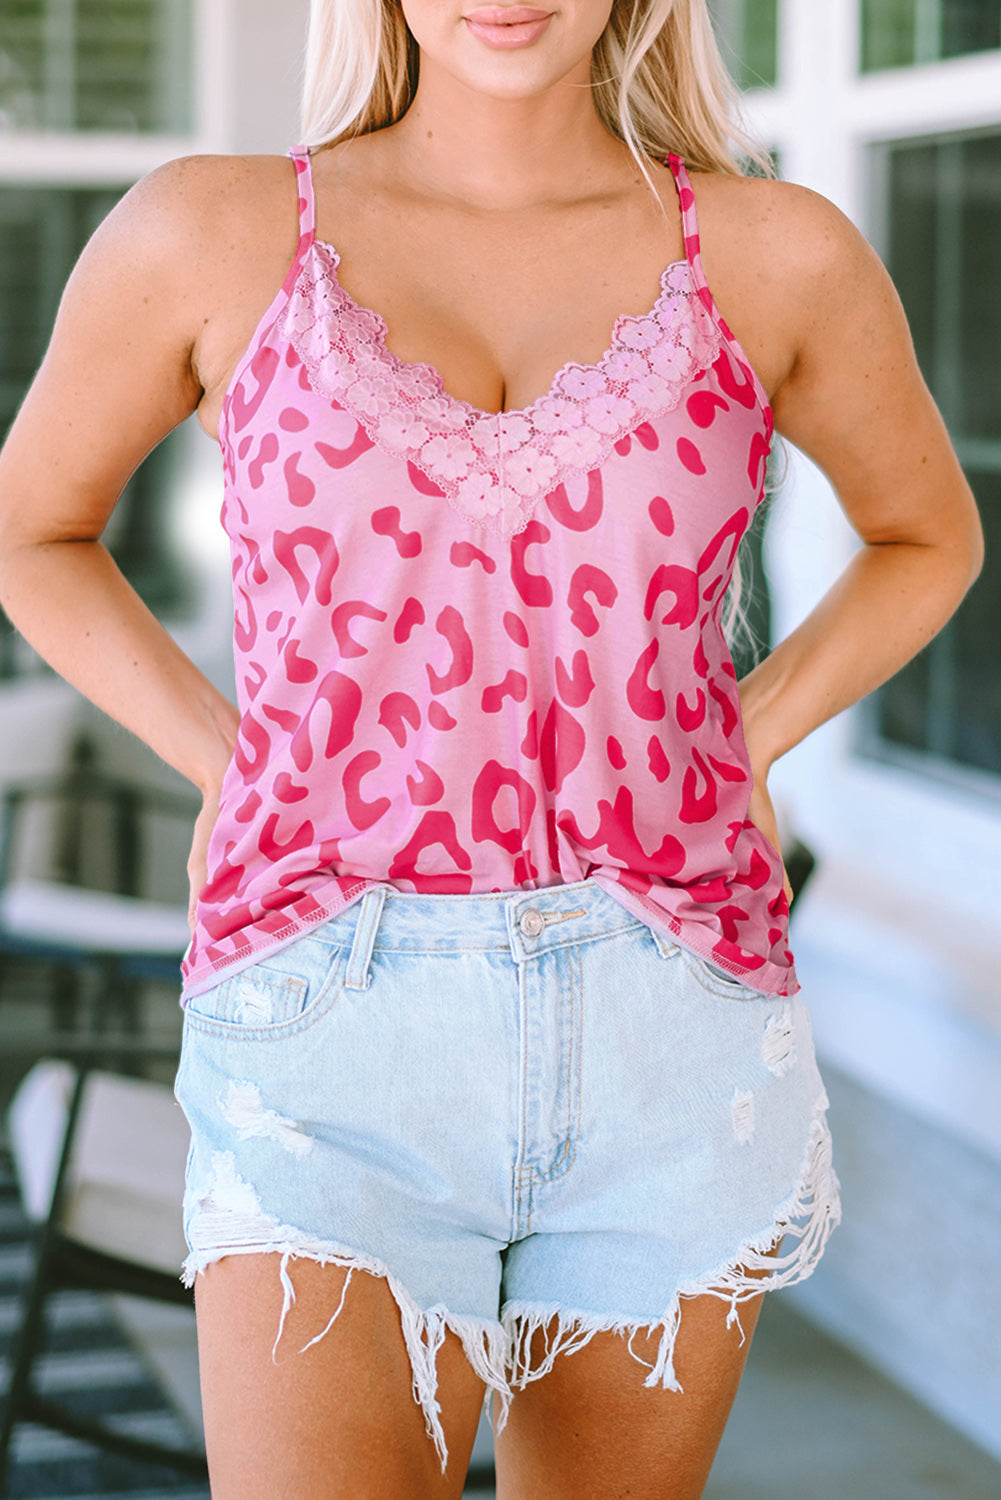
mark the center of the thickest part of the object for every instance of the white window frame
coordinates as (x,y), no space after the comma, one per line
(244,56)
(97,158)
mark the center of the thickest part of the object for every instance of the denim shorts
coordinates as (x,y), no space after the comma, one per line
(524,1109)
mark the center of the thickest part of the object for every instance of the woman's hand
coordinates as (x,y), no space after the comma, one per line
(198,857)
(761,812)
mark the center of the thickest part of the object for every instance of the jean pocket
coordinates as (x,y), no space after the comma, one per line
(273,997)
(711,977)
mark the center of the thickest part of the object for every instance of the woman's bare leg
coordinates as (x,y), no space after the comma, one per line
(338,1420)
(591,1430)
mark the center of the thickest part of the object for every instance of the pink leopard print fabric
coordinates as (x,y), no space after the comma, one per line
(481,651)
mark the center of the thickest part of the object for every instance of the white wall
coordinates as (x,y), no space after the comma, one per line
(268,40)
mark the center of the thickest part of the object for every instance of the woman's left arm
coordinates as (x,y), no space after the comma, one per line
(854,400)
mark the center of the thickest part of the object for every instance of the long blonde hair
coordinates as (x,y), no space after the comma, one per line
(659,82)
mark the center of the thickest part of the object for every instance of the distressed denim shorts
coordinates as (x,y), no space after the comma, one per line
(523,1110)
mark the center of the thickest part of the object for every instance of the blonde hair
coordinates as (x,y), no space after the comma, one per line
(659,82)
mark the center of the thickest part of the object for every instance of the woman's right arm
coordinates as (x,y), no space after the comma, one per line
(119,374)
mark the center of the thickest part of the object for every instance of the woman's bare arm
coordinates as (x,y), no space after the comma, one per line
(855,402)
(117,377)
(161,305)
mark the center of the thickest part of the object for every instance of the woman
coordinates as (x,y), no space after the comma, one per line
(497,1074)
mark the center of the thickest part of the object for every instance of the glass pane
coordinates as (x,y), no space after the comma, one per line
(115,65)
(22,65)
(748,31)
(914,232)
(888,33)
(970,26)
(945,216)
(900,33)
(978,236)
(945,223)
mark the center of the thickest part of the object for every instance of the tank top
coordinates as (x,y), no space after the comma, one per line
(480,651)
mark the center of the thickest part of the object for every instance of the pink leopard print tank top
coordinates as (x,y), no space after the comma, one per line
(480,651)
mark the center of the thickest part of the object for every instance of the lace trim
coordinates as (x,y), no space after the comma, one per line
(494,467)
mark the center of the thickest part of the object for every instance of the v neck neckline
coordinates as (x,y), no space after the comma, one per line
(379,334)
(494,466)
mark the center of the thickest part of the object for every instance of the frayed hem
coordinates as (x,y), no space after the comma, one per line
(484,1343)
(500,1351)
(808,1216)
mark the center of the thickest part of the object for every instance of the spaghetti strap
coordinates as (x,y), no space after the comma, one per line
(307,198)
(689,221)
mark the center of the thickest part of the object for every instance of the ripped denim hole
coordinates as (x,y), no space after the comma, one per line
(778,1046)
(806,1218)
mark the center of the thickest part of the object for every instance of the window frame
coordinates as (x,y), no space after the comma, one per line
(980,454)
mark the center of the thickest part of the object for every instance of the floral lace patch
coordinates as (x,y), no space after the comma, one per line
(494,467)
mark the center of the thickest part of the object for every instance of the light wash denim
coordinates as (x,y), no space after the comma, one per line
(523,1110)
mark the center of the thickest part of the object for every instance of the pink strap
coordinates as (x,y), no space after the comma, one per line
(307,198)
(689,219)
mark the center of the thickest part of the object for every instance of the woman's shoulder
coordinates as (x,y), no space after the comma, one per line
(207,203)
(780,231)
(185,261)
(783,262)
(195,241)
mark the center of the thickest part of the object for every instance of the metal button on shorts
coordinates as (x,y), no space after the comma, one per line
(532,923)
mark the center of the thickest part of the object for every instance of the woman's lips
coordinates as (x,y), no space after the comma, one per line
(508,26)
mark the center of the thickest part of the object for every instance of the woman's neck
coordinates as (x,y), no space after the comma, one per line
(505,154)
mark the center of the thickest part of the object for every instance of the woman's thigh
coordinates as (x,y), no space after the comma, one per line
(289,1422)
(591,1430)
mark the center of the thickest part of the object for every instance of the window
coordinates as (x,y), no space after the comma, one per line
(42,231)
(944,225)
(900,33)
(108,65)
(748,31)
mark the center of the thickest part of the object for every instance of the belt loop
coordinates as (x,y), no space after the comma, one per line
(358,975)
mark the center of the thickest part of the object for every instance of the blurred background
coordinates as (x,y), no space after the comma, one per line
(891,108)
